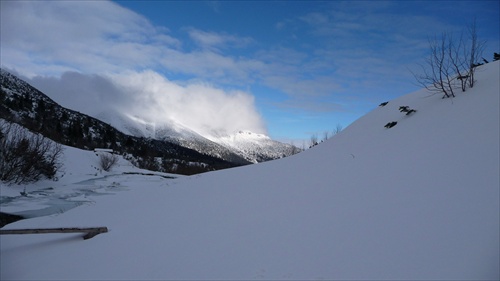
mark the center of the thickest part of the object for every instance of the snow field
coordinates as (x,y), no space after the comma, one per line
(417,201)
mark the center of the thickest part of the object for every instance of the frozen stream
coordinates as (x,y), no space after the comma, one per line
(58,199)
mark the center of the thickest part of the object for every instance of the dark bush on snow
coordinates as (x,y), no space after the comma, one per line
(107,161)
(390,124)
(26,157)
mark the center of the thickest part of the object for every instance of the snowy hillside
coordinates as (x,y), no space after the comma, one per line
(418,201)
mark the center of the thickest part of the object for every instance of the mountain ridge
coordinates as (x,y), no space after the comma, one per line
(23,104)
(175,131)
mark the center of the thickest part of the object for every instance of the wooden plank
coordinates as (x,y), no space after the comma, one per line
(90,231)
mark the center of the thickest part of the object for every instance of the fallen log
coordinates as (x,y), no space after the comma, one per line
(90,231)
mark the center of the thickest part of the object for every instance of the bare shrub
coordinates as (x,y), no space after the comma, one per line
(313,140)
(25,156)
(107,161)
(451,61)
(337,129)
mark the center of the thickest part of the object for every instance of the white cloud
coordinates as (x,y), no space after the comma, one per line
(50,38)
(117,50)
(214,40)
(89,36)
(199,106)
(315,18)
(153,98)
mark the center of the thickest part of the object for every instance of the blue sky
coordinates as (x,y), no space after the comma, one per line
(287,68)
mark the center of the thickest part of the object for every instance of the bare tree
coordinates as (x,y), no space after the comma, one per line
(107,161)
(458,54)
(438,72)
(475,52)
(25,156)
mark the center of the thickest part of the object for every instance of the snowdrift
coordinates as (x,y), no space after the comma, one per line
(416,201)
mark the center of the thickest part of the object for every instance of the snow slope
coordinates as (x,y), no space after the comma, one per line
(419,201)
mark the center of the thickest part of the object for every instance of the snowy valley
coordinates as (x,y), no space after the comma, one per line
(416,201)
(167,147)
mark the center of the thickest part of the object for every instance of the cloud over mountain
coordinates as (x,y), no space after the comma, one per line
(153,98)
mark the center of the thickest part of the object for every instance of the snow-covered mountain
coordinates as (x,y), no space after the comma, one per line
(416,201)
(254,147)
(22,103)
(228,146)
(231,146)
